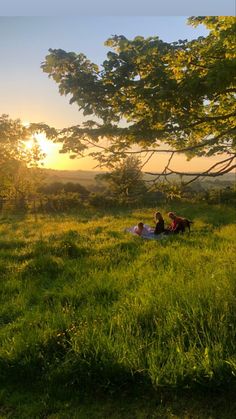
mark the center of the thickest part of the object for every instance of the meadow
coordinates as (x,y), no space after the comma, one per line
(98,323)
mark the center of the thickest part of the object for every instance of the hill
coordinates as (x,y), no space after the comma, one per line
(87,178)
(84,177)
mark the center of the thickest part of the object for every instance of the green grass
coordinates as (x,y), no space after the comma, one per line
(88,309)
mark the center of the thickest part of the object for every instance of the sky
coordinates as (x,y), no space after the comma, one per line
(27,93)
(118,8)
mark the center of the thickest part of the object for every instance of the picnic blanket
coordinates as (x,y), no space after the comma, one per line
(148,235)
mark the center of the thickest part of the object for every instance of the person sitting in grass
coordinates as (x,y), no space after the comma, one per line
(160,224)
(177,224)
(141,229)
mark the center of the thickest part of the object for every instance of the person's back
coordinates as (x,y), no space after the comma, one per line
(160,224)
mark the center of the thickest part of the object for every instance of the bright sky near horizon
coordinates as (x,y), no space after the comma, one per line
(27,93)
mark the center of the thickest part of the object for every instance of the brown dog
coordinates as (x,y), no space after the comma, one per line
(185,223)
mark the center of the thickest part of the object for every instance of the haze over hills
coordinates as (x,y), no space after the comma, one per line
(87,177)
(84,177)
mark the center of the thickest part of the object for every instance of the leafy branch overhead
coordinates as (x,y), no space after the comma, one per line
(149,92)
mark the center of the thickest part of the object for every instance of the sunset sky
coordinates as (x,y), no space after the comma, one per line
(27,93)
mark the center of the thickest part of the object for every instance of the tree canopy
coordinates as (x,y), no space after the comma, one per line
(149,92)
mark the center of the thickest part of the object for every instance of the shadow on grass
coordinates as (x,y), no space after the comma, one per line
(101,295)
(12,245)
(128,250)
(136,401)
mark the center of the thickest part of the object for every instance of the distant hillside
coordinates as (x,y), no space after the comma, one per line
(87,177)
(231,177)
(84,177)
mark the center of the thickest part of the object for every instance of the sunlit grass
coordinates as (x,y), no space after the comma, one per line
(85,304)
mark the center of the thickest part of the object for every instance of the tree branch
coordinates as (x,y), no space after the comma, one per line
(147,160)
(227,168)
(181,150)
(208,173)
(164,172)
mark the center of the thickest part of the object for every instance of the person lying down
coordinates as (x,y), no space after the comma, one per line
(141,229)
(144,231)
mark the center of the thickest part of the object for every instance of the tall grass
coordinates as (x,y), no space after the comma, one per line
(86,305)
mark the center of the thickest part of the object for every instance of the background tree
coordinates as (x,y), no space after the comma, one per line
(58,187)
(17,162)
(126,180)
(149,92)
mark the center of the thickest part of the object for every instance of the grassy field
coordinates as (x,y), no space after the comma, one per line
(97,323)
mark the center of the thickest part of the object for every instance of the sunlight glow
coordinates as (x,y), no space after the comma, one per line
(26,124)
(45,145)
(53,158)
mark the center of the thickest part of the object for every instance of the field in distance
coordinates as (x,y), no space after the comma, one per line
(84,177)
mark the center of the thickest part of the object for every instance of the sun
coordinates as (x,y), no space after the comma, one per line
(26,124)
(45,145)
(29,144)
(40,139)
(50,156)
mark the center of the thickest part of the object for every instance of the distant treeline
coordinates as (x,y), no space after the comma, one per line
(59,187)
(59,197)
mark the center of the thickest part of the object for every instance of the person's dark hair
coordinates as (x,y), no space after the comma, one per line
(158,216)
(140,225)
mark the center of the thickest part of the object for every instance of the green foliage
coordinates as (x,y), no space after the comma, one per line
(182,93)
(58,187)
(126,180)
(224,196)
(61,202)
(14,135)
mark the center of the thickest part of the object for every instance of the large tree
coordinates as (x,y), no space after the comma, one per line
(149,92)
